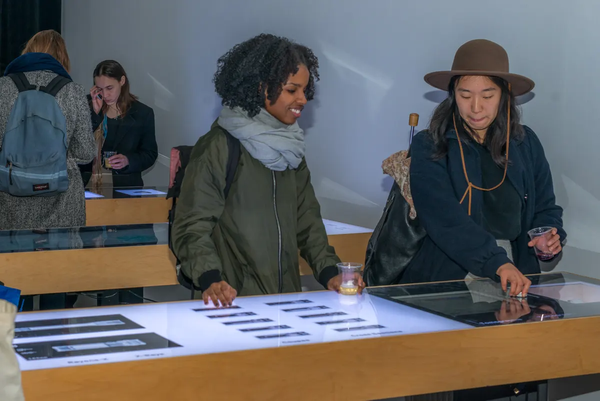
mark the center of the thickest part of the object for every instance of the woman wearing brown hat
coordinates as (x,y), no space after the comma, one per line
(480,179)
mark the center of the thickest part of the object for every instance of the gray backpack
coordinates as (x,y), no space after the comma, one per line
(33,154)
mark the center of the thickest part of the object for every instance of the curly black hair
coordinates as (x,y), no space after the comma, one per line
(263,61)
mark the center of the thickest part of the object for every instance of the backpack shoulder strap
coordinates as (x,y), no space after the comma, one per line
(55,85)
(21,82)
(233,160)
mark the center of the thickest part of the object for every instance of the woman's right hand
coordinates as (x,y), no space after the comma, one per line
(508,273)
(96,101)
(221,294)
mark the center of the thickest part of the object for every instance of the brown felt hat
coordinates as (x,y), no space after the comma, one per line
(481,57)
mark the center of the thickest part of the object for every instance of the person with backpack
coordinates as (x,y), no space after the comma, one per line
(123,126)
(246,241)
(45,131)
(479,179)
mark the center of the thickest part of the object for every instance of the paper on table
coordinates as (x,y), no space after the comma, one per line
(190,328)
(334,227)
(91,195)
(140,192)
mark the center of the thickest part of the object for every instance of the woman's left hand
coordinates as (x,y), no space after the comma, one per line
(118,162)
(553,242)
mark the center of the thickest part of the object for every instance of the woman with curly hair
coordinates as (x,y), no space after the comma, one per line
(246,242)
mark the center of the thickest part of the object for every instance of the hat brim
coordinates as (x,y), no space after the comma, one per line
(520,85)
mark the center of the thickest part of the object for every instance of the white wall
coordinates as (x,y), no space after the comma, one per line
(373,57)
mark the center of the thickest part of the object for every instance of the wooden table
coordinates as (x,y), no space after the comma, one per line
(94,269)
(362,369)
(86,258)
(113,268)
(370,368)
(77,270)
(350,247)
(105,211)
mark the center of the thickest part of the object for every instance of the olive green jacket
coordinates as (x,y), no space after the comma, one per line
(251,239)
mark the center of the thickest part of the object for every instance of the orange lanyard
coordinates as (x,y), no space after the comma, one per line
(470,185)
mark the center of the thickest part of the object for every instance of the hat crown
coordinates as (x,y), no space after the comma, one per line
(481,55)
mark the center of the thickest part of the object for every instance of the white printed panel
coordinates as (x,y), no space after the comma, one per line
(103,335)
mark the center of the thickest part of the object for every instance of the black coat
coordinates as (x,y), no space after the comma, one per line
(133,138)
(456,244)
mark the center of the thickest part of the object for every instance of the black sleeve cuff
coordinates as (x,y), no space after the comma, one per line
(208,278)
(327,274)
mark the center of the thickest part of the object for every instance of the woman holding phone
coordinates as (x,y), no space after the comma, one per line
(126,144)
(124,129)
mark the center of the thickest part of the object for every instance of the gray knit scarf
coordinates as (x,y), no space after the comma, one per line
(276,145)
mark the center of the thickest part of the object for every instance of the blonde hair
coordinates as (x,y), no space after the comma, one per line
(52,43)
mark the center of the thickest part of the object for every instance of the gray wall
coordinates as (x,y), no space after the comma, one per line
(373,57)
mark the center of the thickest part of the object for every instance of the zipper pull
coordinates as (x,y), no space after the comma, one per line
(10,173)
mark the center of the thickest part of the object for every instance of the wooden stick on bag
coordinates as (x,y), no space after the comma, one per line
(413,121)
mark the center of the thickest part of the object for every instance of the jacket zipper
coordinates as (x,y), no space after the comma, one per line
(280,289)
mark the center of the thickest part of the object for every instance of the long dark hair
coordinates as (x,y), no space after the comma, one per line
(495,139)
(112,69)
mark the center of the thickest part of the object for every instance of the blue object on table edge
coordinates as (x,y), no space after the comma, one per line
(10,294)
